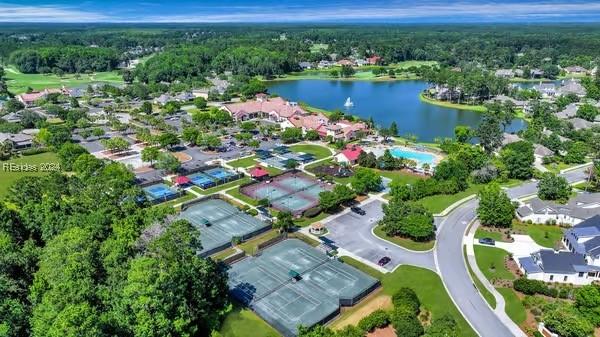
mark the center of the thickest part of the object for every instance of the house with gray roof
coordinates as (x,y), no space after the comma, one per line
(162,99)
(19,141)
(580,124)
(569,111)
(505,73)
(580,208)
(558,266)
(546,89)
(541,151)
(305,65)
(509,138)
(571,87)
(576,70)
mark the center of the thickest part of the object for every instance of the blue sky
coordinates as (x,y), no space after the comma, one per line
(252,11)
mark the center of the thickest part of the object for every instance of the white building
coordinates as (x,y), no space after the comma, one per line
(578,209)
(558,266)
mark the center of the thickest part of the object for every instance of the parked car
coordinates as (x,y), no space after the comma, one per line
(358,210)
(487,241)
(383,261)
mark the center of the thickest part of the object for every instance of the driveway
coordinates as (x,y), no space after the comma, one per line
(353,233)
(522,246)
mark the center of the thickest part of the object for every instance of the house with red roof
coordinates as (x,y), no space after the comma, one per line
(373,60)
(349,155)
(29,99)
(272,108)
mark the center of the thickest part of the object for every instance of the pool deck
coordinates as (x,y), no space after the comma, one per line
(378,150)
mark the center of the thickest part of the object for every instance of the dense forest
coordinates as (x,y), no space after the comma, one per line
(271,50)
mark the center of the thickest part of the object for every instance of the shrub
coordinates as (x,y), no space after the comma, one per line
(34,151)
(406,324)
(312,212)
(252,212)
(532,287)
(408,298)
(377,319)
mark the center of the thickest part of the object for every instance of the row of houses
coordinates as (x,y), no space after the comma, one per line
(290,114)
(352,62)
(567,87)
(578,264)
(29,99)
(538,73)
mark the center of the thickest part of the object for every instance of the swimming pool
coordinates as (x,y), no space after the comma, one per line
(420,157)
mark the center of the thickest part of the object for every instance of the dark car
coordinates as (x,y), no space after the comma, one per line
(358,210)
(383,261)
(487,241)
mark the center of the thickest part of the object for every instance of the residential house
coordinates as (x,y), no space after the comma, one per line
(536,73)
(162,99)
(558,266)
(584,239)
(580,124)
(305,65)
(503,99)
(324,64)
(509,138)
(185,96)
(346,62)
(374,60)
(569,111)
(349,155)
(576,70)
(19,141)
(29,99)
(571,87)
(578,209)
(13,117)
(505,73)
(546,89)
(541,151)
(362,62)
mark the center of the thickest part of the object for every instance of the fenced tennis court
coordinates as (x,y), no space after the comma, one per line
(210,177)
(201,180)
(220,173)
(160,192)
(292,191)
(219,222)
(291,284)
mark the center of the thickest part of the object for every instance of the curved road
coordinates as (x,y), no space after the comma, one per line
(453,271)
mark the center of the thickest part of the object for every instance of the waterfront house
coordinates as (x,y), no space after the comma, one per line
(505,73)
(305,65)
(571,87)
(546,89)
(576,70)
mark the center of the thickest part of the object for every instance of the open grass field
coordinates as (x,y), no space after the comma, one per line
(239,195)
(438,203)
(424,282)
(243,162)
(7,178)
(317,47)
(514,307)
(243,322)
(318,151)
(18,82)
(490,261)
(404,242)
(402,176)
(543,235)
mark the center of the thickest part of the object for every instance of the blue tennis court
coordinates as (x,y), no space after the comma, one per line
(220,173)
(159,192)
(201,180)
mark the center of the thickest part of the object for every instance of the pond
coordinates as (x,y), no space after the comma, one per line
(386,102)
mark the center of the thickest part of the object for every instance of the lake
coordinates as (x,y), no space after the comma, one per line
(386,102)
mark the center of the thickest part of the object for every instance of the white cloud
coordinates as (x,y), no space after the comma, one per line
(396,10)
(21,13)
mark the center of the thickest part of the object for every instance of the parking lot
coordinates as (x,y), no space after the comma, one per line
(353,233)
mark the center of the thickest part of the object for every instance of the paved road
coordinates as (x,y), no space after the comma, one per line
(452,269)
(353,233)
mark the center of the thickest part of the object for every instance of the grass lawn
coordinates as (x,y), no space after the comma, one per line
(485,293)
(7,178)
(404,177)
(303,222)
(514,307)
(318,151)
(317,47)
(490,261)
(482,233)
(18,82)
(237,194)
(438,203)
(543,235)
(242,322)
(476,108)
(431,293)
(244,162)
(557,167)
(273,171)
(424,282)
(251,245)
(404,242)
(223,254)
